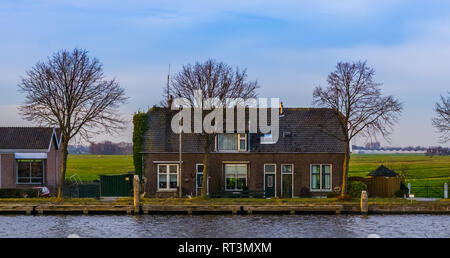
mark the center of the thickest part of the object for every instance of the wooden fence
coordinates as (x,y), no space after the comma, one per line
(380,186)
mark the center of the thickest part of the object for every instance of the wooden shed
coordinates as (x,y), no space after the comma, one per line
(382,182)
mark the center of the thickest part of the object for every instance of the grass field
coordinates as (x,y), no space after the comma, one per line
(420,169)
(90,167)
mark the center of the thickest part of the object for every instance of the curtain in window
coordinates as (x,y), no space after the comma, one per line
(315,177)
(326,177)
(235,176)
(228,142)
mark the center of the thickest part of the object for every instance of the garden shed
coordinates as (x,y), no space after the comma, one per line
(381,182)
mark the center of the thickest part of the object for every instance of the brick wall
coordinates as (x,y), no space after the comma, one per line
(255,174)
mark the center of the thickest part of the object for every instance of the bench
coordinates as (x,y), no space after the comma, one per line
(238,194)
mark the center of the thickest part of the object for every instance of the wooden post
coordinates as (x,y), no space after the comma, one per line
(364,202)
(445,190)
(137,194)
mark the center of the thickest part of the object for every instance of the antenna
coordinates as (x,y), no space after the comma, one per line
(168,87)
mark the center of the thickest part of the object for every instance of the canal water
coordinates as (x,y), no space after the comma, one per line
(209,226)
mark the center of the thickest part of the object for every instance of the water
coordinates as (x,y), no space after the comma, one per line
(226,226)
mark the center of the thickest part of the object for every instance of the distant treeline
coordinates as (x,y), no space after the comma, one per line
(437,151)
(110,148)
(381,148)
(429,151)
(103,148)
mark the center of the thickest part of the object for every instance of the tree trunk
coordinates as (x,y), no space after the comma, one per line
(345,169)
(206,151)
(62,171)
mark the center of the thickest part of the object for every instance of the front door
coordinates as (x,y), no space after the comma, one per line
(199,182)
(286,186)
(269,187)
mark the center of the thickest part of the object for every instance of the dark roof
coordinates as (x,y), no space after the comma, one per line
(383,171)
(302,130)
(28,138)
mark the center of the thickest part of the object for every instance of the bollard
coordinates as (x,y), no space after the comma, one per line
(445,190)
(137,194)
(364,202)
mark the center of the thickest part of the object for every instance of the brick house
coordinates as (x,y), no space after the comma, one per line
(305,161)
(30,157)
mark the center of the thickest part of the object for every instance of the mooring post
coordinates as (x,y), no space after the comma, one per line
(364,202)
(445,190)
(137,194)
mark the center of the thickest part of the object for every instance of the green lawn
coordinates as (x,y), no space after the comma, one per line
(420,169)
(90,167)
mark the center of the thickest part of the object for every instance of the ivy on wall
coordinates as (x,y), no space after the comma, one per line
(140,126)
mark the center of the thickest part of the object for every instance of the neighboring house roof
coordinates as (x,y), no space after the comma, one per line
(28,138)
(302,130)
(383,171)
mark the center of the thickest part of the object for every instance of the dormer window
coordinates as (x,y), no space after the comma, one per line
(232,142)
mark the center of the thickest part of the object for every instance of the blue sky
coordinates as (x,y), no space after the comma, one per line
(288,46)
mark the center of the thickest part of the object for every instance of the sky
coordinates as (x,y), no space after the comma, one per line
(289,47)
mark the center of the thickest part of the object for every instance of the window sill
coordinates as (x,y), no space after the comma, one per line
(166,190)
(321,191)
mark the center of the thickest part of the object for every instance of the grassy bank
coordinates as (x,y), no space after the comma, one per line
(419,168)
(215,201)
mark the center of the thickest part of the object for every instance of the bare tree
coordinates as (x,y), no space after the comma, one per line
(70,91)
(360,107)
(214,80)
(442,120)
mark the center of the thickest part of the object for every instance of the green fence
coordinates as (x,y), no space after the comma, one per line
(428,191)
(116,185)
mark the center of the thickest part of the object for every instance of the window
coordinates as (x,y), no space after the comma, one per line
(232,142)
(199,178)
(30,171)
(235,177)
(286,169)
(269,168)
(267,139)
(321,177)
(167,176)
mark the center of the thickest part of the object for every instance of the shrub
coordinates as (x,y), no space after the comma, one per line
(355,188)
(19,193)
(403,190)
(305,193)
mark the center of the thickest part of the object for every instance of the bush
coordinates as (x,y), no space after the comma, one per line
(403,190)
(19,193)
(355,188)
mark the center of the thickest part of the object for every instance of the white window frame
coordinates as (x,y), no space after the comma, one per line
(270,173)
(197,173)
(320,178)
(292,175)
(238,143)
(29,161)
(167,189)
(225,175)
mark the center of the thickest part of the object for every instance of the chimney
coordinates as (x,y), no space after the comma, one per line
(281,109)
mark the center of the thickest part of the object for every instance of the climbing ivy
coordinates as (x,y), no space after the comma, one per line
(140,126)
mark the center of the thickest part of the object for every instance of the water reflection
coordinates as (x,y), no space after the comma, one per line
(226,226)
